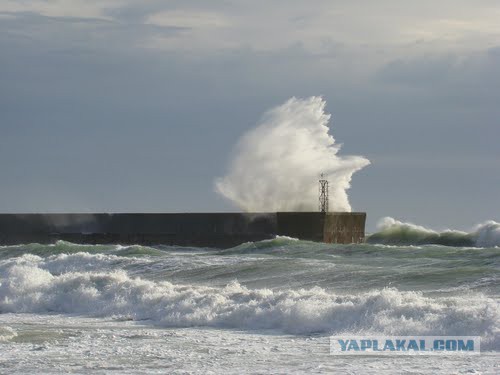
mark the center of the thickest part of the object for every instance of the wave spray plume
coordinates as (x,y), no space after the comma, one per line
(277,164)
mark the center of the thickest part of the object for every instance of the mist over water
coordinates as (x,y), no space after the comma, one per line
(277,164)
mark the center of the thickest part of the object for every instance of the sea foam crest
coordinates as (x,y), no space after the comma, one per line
(394,232)
(7,333)
(26,287)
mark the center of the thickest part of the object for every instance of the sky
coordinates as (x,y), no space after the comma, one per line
(118,105)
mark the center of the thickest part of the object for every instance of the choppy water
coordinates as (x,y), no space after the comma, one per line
(260,307)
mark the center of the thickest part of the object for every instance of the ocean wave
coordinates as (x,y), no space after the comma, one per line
(25,287)
(64,247)
(7,333)
(277,243)
(394,232)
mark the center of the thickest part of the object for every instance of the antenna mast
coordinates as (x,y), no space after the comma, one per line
(323,194)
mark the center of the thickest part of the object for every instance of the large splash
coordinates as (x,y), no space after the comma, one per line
(394,232)
(277,164)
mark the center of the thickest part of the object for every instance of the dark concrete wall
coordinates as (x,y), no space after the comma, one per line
(193,229)
(303,225)
(196,229)
(224,223)
(344,227)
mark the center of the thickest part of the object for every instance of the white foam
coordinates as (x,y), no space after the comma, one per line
(388,222)
(488,234)
(69,344)
(26,288)
(287,238)
(7,333)
(277,164)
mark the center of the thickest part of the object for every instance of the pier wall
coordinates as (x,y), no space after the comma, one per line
(344,227)
(183,229)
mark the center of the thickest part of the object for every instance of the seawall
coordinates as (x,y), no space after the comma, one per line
(220,230)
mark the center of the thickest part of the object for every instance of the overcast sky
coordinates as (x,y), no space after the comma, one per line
(117,105)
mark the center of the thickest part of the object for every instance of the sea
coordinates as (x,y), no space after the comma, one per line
(266,307)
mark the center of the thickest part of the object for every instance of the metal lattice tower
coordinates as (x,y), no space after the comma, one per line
(323,194)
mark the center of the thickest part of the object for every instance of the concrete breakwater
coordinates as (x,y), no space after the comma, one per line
(220,230)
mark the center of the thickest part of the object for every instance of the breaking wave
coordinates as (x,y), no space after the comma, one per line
(7,333)
(394,232)
(26,286)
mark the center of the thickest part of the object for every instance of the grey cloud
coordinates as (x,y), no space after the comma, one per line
(78,33)
(16,16)
(460,81)
(137,12)
(417,72)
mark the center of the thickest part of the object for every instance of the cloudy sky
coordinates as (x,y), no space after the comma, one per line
(118,105)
